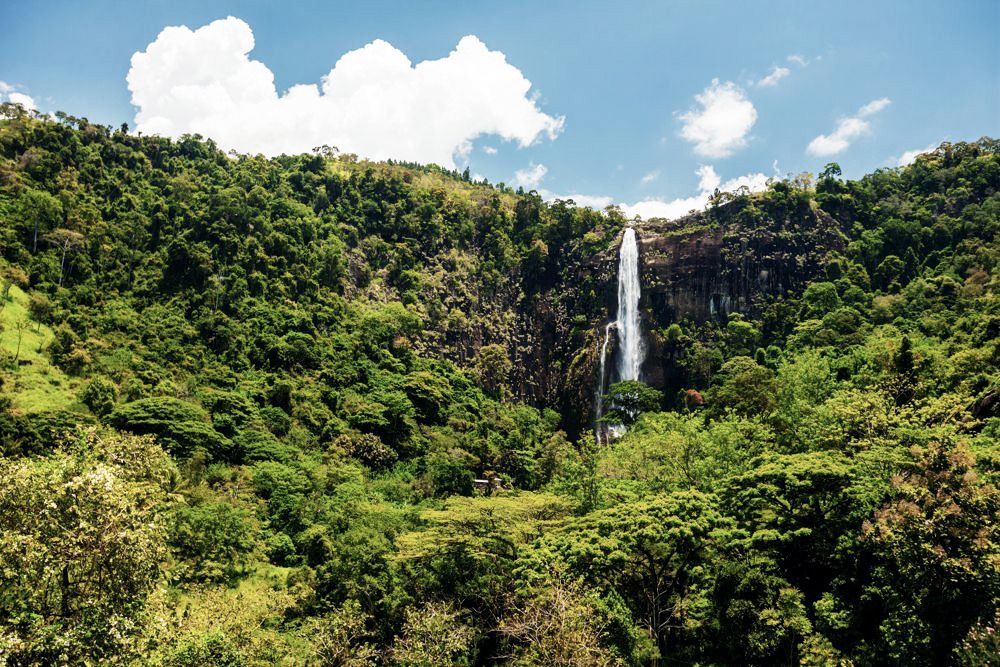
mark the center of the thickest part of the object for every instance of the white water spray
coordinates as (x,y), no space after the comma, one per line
(631,351)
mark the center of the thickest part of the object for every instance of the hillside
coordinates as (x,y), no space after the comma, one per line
(255,399)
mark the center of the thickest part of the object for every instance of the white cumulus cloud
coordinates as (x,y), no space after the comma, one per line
(708,181)
(8,93)
(25,101)
(530,177)
(772,79)
(596,202)
(908,157)
(373,101)
(718,126)
(847,130)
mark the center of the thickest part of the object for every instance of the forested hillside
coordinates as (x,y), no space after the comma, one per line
(320,410)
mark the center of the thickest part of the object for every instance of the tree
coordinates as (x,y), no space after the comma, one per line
(81,541)
(66,240)
(830,171)
(340,639)
(628,399)
(100,395)
(40,308)
(492,369)
(212,541)
(938,546)
(656,553)
(10,276)
(39,210)
(744,386)
(448,474)
(820,299)
(470,547)
(761,617)
(557,626)
(798,507)
(180,426)
(19,325)
(434,635)
(889,272)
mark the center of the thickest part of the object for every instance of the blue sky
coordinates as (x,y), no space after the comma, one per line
(613,111)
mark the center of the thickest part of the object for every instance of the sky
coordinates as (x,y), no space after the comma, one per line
(648,105)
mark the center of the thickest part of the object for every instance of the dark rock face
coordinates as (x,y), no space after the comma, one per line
(701,273)
(683,275)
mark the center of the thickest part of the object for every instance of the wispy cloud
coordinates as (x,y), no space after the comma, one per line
(772,79)
(649,178)
(874,106)
(847,130)
(721,120)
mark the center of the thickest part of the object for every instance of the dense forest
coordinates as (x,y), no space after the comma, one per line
(316,410)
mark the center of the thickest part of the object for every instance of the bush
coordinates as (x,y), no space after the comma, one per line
(179,426)
(100,395)
(449,475)
(213,541)
(281,550)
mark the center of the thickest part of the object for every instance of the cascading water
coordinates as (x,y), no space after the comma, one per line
(631,351)
(599,398)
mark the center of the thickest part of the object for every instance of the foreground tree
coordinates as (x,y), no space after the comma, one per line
(557,626)
(938,546)
(81,545)
(656,554)
(434,636)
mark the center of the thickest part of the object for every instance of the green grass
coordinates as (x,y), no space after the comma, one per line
(38,386)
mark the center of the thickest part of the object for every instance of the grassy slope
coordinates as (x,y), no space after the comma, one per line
(39,385)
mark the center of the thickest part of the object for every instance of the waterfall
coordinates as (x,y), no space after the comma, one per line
(599,399)
(630,348)
(631,351)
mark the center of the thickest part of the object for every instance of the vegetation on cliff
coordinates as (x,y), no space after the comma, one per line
(318,410)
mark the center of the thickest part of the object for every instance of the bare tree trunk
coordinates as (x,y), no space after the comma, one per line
(62,266)
(64,585)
